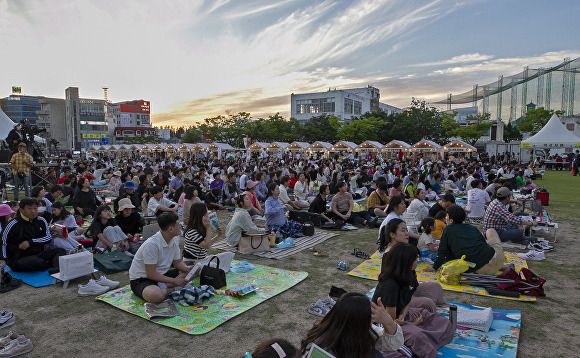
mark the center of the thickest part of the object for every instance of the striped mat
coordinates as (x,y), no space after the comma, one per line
(301,243)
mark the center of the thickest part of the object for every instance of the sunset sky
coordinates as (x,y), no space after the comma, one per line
(197,59)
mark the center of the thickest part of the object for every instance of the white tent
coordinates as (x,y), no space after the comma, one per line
(6,125)
(553,135)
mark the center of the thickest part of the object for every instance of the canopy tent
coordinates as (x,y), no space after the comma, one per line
(6,125)
(553,135)
(459,146)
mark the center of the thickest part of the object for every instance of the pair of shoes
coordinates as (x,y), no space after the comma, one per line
(8,283)
(16,347)
(342,265)
(5,341)
(329,302)
(288,243)
(541,246)
(318,309)
(7,319)
(97,287)
(533,255)
(373,223)
(360,254)
(336,292)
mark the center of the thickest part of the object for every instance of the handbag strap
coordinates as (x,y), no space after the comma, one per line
(252,242)
(218,261)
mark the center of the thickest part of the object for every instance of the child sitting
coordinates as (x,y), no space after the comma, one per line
(439,225)
(426,245)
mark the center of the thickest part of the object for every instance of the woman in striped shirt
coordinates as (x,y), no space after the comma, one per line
(197,233)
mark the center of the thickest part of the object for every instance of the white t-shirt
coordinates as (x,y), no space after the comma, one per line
(476,200)
(301,190)
(425,239)
(154,203)
(155,251)
(243,179)
(283,198)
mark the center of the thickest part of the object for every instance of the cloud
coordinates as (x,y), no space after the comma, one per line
(234,15)
(468,57)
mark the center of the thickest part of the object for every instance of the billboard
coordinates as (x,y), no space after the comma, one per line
(18,90)
(144,107)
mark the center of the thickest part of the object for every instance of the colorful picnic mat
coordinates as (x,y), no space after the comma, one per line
(209,314)
(371,268)
(301,243)
(500,341)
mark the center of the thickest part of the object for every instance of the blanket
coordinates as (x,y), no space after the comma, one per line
(371,268)
(300,244)
(204,317)
(34,279)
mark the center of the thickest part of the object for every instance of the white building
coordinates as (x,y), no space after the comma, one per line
(344,104)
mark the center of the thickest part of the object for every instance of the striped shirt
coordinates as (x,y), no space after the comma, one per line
(191,248)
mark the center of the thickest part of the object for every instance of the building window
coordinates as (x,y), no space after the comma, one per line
(317,105)
(357,107)
(348,105)
(138,132)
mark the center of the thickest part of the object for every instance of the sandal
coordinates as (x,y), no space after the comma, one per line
(362,255)
(354,252)
(320,253)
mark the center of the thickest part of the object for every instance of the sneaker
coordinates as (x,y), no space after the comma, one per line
(318,309)
(8,283)
(336,292)
(103,281)
(533,255)
(7,320)
(540,246)
(342,265)
(92,288)
(16,348)
(4,341)
(328,302)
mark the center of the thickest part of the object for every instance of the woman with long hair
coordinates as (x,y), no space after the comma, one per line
(347,330)
(197,233)
(191,197)
(60,215)
(106,233)
(424,331)
(85,200)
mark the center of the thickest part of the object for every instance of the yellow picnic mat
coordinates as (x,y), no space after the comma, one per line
(371,268)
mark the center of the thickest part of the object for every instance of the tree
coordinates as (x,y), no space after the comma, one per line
(471,133)
(536,119)
(360,130)
(449,123)
(191,135)
(511,133)
(148,139)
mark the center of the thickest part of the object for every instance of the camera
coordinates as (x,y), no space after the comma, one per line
(30,130)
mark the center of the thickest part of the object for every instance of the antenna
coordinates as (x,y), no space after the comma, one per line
(106,91)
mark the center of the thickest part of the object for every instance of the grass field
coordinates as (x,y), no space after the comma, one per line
(61,324)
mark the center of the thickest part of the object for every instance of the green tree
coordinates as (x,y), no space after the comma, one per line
(511,133)
(149,139)
(321,128)
(191,135)
(360,130)
(449,123)
(471,133)
(536,119)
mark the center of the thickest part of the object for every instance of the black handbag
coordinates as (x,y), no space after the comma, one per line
(213,276)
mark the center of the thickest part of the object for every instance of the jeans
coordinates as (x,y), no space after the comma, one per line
(514,235)
(24,182)
(39,262)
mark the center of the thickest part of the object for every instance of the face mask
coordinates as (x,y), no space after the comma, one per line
(41,209)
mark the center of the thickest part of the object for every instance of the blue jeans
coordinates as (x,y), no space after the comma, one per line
(514,235)
(24,182)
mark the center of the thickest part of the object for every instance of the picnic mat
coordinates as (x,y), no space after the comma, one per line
(34,279)
(371,268)
(209,314)
(500,341)
(301,243)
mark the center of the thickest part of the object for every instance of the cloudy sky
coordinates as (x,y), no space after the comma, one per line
(197,59)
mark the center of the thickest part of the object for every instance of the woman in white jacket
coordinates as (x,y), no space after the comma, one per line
(418,208)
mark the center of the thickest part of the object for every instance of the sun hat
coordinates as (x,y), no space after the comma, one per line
(22,144)
(117,173)
(503,192)
(125,204)
(129,185)
(5,210)
(250,184)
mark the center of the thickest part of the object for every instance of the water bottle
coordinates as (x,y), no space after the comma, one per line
(272,238)
(113,248)
(453,316)
(277,236)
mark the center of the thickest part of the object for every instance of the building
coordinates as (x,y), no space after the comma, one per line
(130,132)
(19,107)
(51,116)
(86,119)
(345,104)
(130,118)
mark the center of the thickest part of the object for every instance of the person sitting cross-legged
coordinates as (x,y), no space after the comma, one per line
(150,274)
(24,239)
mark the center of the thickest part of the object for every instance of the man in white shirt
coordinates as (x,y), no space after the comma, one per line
(244,178)
(477,199)
(158,204)
(150,274)
(283,198)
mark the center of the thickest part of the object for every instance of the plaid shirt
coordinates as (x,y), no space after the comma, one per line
(18,161)
(498,217)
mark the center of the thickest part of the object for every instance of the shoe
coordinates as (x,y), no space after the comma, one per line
(372,223)
(7,320)
(103,281)
(540,246)
(92,288)
(342,265)
(318,309)
(288,243)
(336,292)
(533,255)
(8,283)
(4,341)
(53,270)
(16,348)
(328,302)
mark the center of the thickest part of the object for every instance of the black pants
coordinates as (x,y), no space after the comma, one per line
(358,217)
(38,262)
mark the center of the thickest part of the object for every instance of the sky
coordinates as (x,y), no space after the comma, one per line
(199,59)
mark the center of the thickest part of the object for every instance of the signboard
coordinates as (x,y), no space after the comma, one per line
(94,135)
(144,107)
(105,140)
(16,89)
(549,145)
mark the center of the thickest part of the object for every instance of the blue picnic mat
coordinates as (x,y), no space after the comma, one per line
(34,279)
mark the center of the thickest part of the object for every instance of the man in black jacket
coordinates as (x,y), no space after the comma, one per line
(24,240)
(130,193)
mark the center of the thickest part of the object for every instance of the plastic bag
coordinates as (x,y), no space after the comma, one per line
(451,270)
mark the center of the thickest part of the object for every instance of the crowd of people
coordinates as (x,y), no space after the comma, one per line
(179,193)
